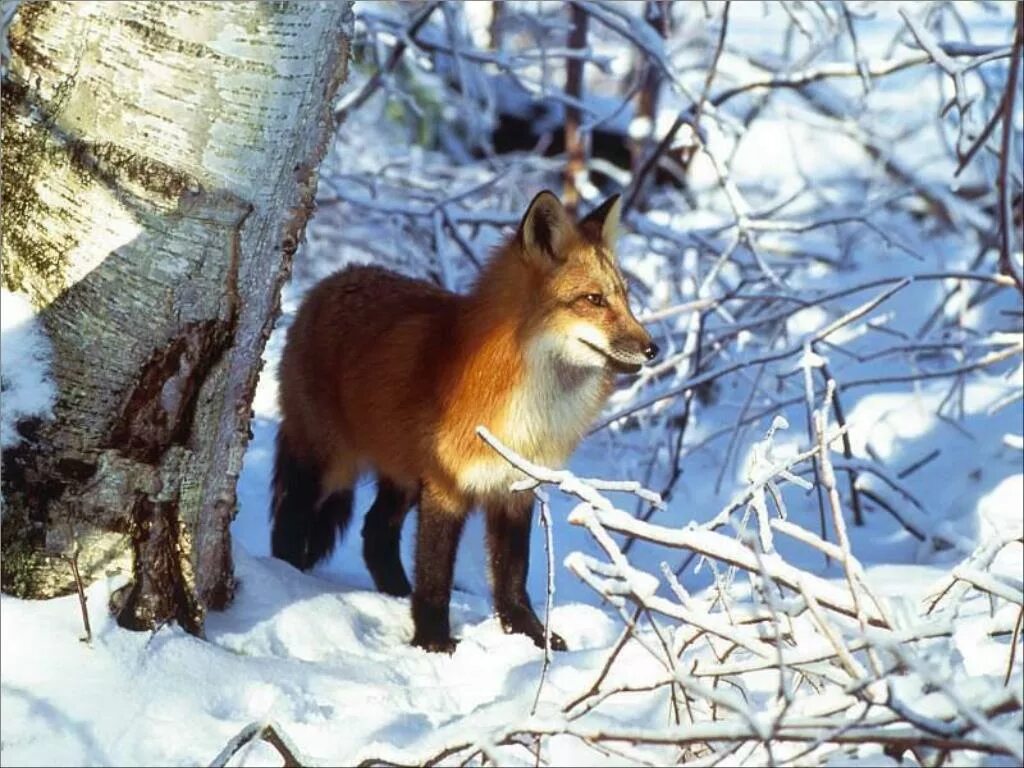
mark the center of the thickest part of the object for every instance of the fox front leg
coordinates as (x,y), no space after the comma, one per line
(508,538)
(437,541)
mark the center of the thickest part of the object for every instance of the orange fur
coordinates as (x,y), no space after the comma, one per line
(387,373)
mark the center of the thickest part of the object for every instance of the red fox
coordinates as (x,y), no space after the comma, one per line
(392,375)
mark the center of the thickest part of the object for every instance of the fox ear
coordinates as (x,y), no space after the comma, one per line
(604,220)
(545,229)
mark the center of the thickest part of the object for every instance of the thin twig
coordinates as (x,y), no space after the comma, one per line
(712,69)
(549,551)
(1013,646)
(1005,202)
(80,588)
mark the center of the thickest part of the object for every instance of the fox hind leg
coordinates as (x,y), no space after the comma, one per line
(382,533)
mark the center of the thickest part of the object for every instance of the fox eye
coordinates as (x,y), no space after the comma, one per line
(597,299)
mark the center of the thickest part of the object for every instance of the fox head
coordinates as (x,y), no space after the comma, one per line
(579,302)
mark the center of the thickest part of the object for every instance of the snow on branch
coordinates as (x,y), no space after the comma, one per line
(266,731)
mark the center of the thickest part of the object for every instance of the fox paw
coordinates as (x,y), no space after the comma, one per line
(557,643)
(436,645)
(523,623)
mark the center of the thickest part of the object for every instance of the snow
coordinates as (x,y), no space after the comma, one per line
(26,385)
(328,660)
(331,664)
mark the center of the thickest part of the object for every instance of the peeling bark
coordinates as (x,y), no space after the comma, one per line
(159,168)
(158,413)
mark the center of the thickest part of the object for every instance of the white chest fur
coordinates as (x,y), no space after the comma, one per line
(546,416)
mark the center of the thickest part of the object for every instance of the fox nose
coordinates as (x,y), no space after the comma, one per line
(651,351)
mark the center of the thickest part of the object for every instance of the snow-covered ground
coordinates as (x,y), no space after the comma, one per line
(328,660)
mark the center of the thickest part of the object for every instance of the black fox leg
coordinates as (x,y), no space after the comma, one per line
(382,532)
(508,538)
(437,540)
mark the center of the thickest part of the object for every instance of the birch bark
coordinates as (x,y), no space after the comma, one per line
(159,165)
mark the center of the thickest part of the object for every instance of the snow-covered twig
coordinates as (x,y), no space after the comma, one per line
(1006,221)
(823,635)
(549,594)
(269,732)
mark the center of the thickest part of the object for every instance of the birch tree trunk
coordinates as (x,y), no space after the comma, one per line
(159,165)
